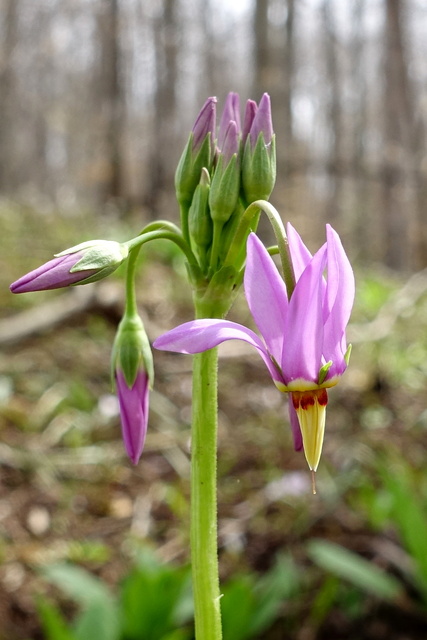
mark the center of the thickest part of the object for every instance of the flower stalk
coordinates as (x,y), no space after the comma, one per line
(204,536)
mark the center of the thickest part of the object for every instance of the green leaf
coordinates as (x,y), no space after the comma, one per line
(99,617)
(237,607)
(411,519)
(272,590)
(250,605)
(98,621)
(54,625)
(78,584)
(349,566)
(154,599)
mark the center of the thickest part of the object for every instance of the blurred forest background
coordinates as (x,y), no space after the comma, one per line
(97,98)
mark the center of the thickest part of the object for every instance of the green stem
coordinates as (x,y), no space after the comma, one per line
(183,211)
(216,245)
(158,225)
(131,306)
(279,232)
(163,234)
(204,537)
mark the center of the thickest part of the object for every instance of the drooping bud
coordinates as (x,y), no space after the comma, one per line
(132,369)
(259,155)
(198,153)
(86,262)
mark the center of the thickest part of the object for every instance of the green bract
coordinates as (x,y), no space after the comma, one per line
(259,169)
(131,350)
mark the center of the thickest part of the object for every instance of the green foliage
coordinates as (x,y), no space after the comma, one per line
(250,605)
(372,294)
(155,602)
(99,616)
(349,566)
(410,517)
(54,625)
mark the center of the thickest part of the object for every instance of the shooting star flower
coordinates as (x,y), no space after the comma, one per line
(303,341)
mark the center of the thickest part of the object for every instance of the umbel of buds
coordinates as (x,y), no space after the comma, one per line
(86,262)
(219,175)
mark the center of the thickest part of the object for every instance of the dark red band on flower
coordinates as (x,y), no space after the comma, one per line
(306,399)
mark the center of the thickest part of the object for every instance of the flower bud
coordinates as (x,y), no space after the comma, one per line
(250,111)
(199,220)
(259,155)
(132,366)
(86,262)
(231,112)
(198,153)
(224,193)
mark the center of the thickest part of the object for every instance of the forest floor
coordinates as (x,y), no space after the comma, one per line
(68,492)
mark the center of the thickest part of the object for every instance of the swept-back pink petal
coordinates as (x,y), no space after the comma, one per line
(341,285)
(296,430)
(303,331)
(300,255)
(134,412)
(265,293)
(338,303)
(200,335)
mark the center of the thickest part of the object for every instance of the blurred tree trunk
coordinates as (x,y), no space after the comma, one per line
(261,79)
(162,165)
(280,59)
(362,185)
(288,81)
(208,84)
(403,182)
(112,102)
(333,113)
(7,82)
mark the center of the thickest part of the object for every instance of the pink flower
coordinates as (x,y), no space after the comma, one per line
(303,341)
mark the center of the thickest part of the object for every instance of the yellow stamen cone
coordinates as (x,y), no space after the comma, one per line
(310,407)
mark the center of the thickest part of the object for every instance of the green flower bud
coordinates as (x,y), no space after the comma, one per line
(259,169)
(199,220)
(131,350)
(224,192)
(104,256)
(198,153)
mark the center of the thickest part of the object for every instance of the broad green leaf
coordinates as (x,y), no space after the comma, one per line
(277,586)
(99,616)
(78,584)
(349,566)
(237,606)
(411,519)
(152,600)
(54,624)
(99,620)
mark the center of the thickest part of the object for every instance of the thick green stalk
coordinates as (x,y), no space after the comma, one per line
(204,535)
